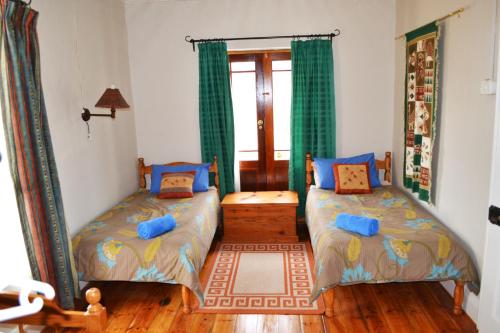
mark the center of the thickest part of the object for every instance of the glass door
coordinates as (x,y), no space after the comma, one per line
(261,92)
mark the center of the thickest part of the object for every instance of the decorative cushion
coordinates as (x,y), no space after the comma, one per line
(176,185)
(200,183)
(352,178)
(325,178)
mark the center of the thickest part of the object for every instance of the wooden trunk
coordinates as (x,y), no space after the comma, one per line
(260,217)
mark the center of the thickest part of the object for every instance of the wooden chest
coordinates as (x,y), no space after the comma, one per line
(260,216)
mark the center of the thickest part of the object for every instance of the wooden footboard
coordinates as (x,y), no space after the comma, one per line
(93,320)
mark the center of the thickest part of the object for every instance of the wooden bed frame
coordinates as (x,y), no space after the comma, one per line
(385,165)
(146,170)
(92,321)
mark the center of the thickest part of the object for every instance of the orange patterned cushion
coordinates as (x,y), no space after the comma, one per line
(352,178)
(176,185)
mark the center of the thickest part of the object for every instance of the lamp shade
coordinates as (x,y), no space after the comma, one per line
(112,98)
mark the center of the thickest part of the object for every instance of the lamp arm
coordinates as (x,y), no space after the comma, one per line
(86,114)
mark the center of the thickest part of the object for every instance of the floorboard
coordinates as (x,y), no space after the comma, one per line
(369,309)
(347,312)
(224,323)
(416,315)
(166,314)
(312,323)
(391,307)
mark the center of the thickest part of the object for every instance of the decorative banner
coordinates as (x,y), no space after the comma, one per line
(421,108)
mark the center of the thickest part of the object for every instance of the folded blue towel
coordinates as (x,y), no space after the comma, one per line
(156,227)
(359,224)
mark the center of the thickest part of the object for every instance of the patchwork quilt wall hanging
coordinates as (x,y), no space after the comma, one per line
(421,108)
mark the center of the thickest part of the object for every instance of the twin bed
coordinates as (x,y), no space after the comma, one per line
(108,248)
(410,246)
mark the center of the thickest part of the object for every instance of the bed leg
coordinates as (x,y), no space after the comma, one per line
(458,297)
(186,300)
(329,297)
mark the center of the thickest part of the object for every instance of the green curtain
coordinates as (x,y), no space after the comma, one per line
(30,152)
(216,111)
(313,109)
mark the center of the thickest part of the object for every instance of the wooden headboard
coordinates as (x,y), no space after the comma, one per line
(146,170)
(384,164)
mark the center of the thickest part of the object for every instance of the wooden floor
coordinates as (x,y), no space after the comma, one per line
(393,307)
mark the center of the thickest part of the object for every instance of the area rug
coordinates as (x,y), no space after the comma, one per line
(260,279)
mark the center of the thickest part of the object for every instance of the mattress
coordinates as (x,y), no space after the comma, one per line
(109,249)
(410,246)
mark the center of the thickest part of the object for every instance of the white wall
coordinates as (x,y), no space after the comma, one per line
(466,117)
(84,50)
(164,68)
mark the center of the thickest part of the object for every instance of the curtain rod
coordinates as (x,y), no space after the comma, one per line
(442,18)
(188,39)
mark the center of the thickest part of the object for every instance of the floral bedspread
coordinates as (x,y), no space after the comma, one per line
(410,246)
(109,249)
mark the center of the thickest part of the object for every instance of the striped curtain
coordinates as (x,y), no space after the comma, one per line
(313,110)
(30,152)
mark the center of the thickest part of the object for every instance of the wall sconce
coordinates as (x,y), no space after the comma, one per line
(112,98)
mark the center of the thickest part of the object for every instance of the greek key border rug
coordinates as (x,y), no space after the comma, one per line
(260,279)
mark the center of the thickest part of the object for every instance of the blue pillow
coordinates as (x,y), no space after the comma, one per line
(324,169)
(200,183)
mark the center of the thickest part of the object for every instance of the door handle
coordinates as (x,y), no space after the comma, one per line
(260,122)
(494,215)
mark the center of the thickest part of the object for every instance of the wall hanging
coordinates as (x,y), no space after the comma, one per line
(421,108)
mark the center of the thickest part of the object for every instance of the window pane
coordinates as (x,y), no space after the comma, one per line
(282,94)
(281,155)
(243,66)
(243,90)
(282,65)
(248,155)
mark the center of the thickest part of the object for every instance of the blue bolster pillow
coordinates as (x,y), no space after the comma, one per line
(156,227)
(359,224)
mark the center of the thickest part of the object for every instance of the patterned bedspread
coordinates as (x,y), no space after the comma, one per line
(109,248)
(411,244)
